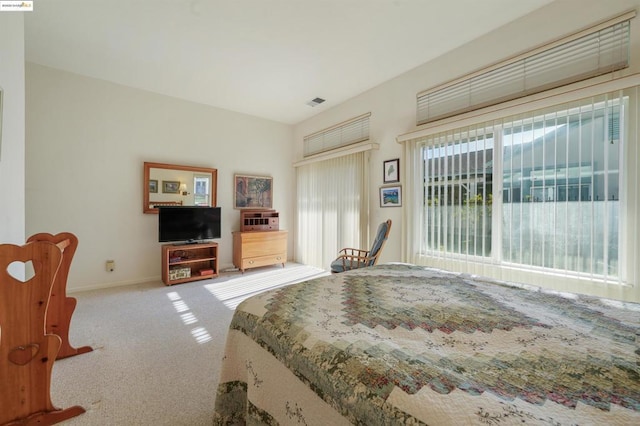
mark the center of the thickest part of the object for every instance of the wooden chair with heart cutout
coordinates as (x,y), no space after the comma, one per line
(61,307)
(27,352)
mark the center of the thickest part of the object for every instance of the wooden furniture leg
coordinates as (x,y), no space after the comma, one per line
(27,352)
(61,307)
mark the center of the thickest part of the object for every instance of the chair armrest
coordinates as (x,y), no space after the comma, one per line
(352,258)
(353,252)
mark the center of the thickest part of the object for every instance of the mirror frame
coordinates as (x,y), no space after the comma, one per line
(145,184)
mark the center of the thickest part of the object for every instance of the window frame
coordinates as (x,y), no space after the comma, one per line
(445,154)
(628,272)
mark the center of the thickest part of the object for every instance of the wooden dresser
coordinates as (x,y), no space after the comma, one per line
(259,248)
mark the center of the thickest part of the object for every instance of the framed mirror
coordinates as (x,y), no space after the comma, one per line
(176,185)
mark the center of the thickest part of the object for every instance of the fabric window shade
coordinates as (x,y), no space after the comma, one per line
(332,210)
(572,59)
(343,134)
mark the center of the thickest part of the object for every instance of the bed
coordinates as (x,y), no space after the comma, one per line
(401,344)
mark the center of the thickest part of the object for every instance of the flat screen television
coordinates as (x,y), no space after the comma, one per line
(189,224)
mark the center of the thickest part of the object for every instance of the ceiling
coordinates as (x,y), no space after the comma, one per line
(266,58)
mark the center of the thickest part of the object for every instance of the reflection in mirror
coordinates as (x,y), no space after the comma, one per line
(175,185)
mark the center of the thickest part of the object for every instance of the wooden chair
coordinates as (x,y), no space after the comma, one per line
(351,258)
(27,352)
(61,307)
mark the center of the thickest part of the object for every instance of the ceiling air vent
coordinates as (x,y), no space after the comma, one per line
(315,101)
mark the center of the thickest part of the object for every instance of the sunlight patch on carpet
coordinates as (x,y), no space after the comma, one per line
(238,288)
(200,334)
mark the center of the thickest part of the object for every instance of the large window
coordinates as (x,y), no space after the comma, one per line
(538,190)
(458,176)
(332,193)
(561,188)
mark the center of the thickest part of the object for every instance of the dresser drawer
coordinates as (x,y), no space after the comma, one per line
(264,244)
(254,262)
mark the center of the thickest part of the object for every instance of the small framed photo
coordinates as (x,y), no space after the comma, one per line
(153,186)
(392,171)
(391,196)
(170,187)
(252,192)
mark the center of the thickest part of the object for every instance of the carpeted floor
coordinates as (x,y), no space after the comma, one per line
(157,349)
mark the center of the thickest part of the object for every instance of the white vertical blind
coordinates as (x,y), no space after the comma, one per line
(564,191)
(601,51)
(332,208)
(458,175)
(562,187)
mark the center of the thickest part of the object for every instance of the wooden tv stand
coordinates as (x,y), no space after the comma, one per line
(189,262)
(259,248)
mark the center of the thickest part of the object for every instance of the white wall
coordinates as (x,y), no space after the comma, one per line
(12,198)
(87,140)
(393,104)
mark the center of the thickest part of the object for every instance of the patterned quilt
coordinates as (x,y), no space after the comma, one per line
(401,344)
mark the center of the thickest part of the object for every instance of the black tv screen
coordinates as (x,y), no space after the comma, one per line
(189,224)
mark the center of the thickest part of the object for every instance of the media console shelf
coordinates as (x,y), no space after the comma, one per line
(189,262)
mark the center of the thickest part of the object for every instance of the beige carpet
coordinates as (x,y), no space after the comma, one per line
(157,349)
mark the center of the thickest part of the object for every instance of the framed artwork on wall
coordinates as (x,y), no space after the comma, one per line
(153,186)
(170,186)
(391,196)
(391,171)
(252,192)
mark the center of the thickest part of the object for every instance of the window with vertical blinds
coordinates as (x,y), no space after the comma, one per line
(546,190)
(603,50)
(331,208)
(343,134)
(561,181)
(458,175)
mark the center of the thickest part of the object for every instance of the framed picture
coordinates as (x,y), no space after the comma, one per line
(153,186)
(392,171)
(170,187)
(252,192)
(391,196)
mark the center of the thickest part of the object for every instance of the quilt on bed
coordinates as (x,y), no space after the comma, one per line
(400,344)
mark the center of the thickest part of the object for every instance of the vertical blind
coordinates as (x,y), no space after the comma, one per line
(573,59)
(458,176)
(331,208)
(561,188)
(551,190)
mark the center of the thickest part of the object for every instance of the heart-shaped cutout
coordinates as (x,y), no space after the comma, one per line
(22,355)
(21,271)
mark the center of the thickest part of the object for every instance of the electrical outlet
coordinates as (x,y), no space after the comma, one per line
(111,265)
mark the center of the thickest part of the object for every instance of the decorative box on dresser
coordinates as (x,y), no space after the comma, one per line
(259,220)
(252,249)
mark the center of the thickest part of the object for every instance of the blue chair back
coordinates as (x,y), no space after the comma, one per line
(381,236)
